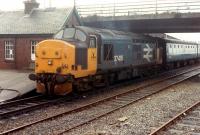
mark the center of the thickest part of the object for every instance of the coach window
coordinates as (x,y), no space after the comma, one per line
(93,42)
(9,50)
(108,52)
(33,47)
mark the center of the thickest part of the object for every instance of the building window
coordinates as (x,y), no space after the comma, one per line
(108,52)
(33,47)
(9,50)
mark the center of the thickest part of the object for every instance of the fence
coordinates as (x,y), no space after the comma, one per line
(140,8)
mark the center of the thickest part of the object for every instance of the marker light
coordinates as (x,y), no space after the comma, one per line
(50,62)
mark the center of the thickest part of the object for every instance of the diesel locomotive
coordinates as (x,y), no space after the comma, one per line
(81,58)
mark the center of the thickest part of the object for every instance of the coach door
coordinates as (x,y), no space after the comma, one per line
(92,54)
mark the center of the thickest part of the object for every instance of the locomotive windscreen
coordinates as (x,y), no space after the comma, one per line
(71,34)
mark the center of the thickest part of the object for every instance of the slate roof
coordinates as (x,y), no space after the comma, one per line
(40,21)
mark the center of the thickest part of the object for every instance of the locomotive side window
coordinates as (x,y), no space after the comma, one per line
(92,42)
(108,52)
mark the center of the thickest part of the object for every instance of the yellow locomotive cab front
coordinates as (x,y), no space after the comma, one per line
(66,61)
(54,59)
(56,66)
(54,56)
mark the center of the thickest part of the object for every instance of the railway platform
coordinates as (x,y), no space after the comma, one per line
(14,83)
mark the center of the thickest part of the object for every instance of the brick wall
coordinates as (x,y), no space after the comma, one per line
(22,51)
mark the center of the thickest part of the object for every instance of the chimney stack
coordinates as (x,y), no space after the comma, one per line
(30,5)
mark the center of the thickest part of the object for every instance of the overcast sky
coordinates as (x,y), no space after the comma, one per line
(9,5)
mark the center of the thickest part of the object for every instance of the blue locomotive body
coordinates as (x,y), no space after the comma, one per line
(121,51)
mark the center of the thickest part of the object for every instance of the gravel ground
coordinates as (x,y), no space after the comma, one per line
(107,125)
(15,121)
(144,116)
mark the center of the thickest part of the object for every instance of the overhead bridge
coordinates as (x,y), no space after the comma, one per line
(156,16)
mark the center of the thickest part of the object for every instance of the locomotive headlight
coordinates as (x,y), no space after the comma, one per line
(50,62)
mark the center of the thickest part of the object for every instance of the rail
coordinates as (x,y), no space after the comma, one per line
(119,100)
(185,113)
(154,7)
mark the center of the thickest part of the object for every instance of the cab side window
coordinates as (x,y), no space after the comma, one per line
(92,42)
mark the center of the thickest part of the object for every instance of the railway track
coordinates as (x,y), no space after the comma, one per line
(84,114)
(185,123)
(20,106)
